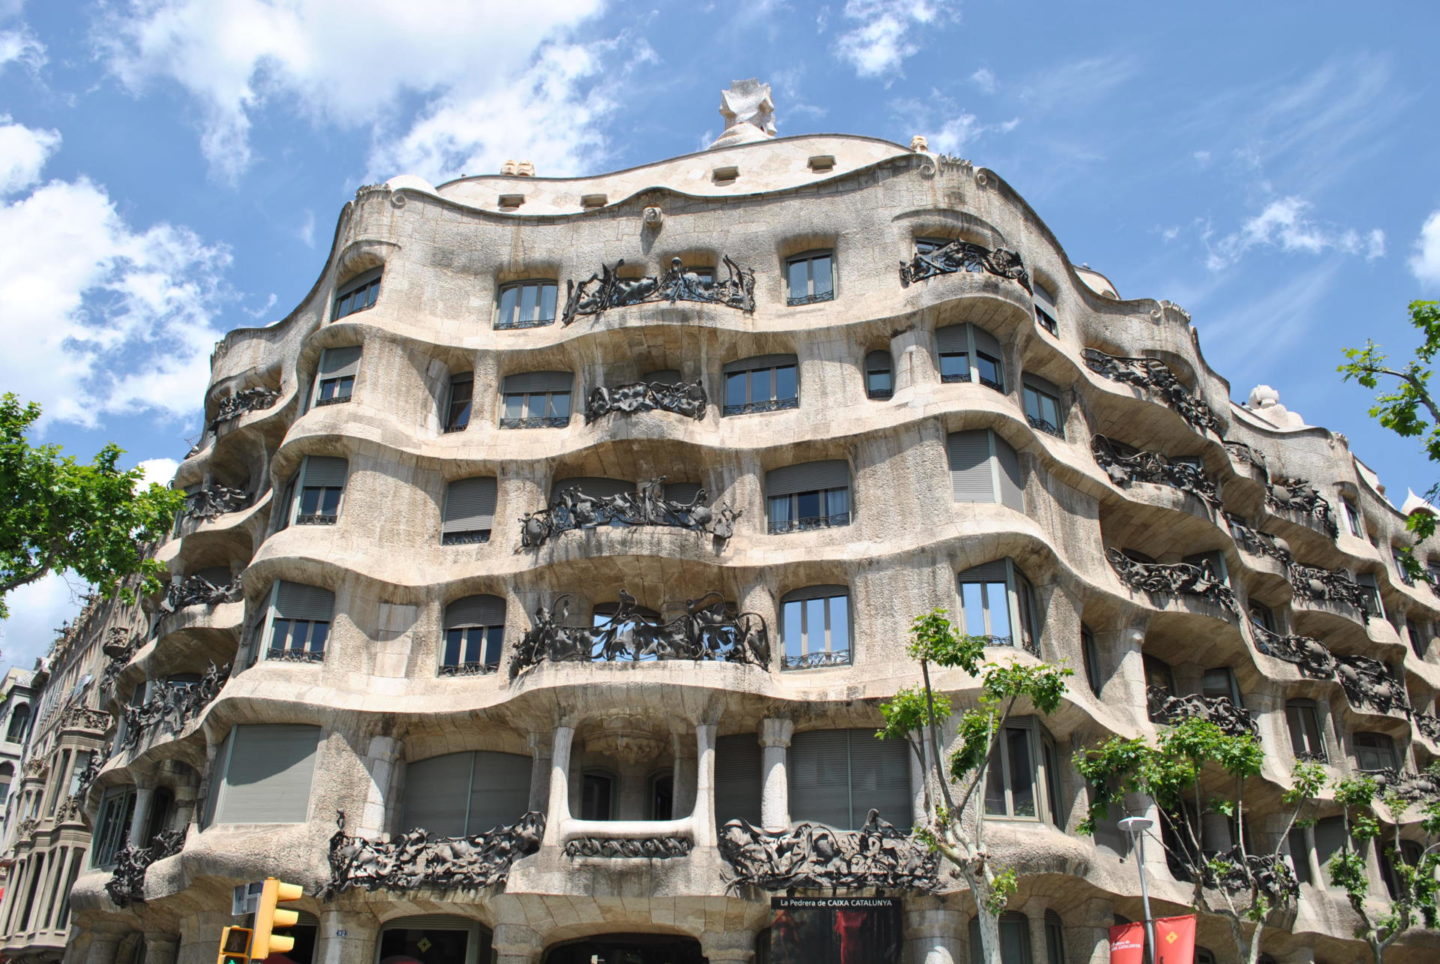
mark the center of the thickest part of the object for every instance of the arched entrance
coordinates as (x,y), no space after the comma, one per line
(627,949)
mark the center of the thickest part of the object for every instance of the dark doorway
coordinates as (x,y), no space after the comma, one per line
(627,949)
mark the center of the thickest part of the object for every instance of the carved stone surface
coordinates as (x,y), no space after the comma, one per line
(1428,724)
(1220,710)
(1332,585)
(172,705)
(1259,543)
(82,717)
(1368,683)
(812,856)
(964,256)
(1127,465)
(37,767)
(120,646)
(682,398)
(645,506)
(126,885)
(1270,874)
(198,591)
(601,292)
(1309,655)
(26,827)
(245,400)
(1156,378)
(1299,497)
(1172,579)
(466,669)
(1241,452)
(70,810)
(653,848)
(708,630)
(417,859)
(213,501)
(1409,785)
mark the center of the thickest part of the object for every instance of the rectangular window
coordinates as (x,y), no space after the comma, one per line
(1352,517)
(970,353)
(1042,408)
(766,383)
(526,304)
(1305,734)
(1401,568)
(265,774)
(984,468)
(335,381)
(1220,681)
(357,295)
(469,511)
(112,833)
(1017,778)
(954,366)
(815,627)
(837,777)
(458,404)
(1045,311)
(322,482)
(810,495)
(300,622)
(536,400)
(810,278)
(474,634)
(1299,855)
(879,375)
(996,602)
(1373,752)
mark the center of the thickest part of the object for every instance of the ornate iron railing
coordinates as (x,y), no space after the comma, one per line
(1309,655)
(81,717)
(1428,724)
(418,859)
(605,290)
(172,705)
(1172,579)
(119,646)
(1408,785)
(1299,497)
(709,630)
(536,421)
(1220,710)
(196,590)
(295,655)
(811,856)
(1237,871)
(806,523)
(573,509)
(682,398)
(650,848)
(1127,465)
(958,256)
(126,885)
(1367,682)
(1156,378)
(213,501)
(1240,452)
(1329,585)
(1259,543)
(245,400)
(468,669)
(764,405)
(816,660)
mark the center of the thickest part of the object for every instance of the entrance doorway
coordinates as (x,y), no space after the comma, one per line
(627,949)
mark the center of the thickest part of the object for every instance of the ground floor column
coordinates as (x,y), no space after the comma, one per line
(934,935)
(516,944)
(161,948)
(346,937)
(775,788)
(103,947)
(558,811)
(704,812)
(1087,932)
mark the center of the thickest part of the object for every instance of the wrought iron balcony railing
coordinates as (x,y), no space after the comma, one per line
(682,398)
(606,290)
(127,883)
(1172,579)
(213,501)
(245,400)
(1298,497)
(1329,585)
(171,706)
(419,859)
(198,591)
(1127,465)
(964,256)
(814,856)
(1155,378)
(646,505)
(1220,710)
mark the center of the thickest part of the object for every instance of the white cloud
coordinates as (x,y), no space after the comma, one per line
(354,63)
(1425,262)
(984,78)
(100,316)
(23,152)
(885,34)
(160,471)
(19,45)
(37,610)
(1285,224)
(1074,82)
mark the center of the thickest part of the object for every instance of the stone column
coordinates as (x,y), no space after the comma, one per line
(914,364)
(934,935)
(539,771)
(1087,932)
(380,759)
(345,936)
(704,812)
(161,948)
(728,947)
(775,788)
(1035,908)
(1126,686)
(558,810)
(516,944)
(144,796)
(684,777)
(185,801)
(103,946)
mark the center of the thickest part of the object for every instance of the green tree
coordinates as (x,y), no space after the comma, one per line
(1192,769)
(58,515)
(1406,405)
(954,824)
(1414,877)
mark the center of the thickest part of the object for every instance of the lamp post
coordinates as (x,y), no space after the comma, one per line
(1136,827)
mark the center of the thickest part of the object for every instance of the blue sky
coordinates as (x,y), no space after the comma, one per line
(172,169)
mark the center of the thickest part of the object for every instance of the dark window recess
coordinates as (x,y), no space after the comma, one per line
(459,402)
(1091,656)
(1306,739)
(321,485)
(968,353)
(879,375)
(810,277)
(526,304)
(1045,312)
(336,379)
(357,296)
(767,383)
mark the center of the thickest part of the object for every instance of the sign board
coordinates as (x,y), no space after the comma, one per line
(835,930)
(246,898)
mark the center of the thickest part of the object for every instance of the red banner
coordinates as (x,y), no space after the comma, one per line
(1175,940)
(1127,944)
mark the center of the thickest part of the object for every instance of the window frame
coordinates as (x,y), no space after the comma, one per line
(1302,721)
(467,537)
(306,629)
(809,258)
(1041,298)
(829,654)
(869,369)
(1373,750)
(366,284)
(111,838)
(772,365)
(1019,605)
(515,323)
(490,642)
(1032,386)
(458,421)
(1044,786)
(299,486)
(550,417)
(342,378)
(971,351)
(1090,659)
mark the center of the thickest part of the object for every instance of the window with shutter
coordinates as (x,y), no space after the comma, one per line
(526,304)
(267,772)
(536,400)
(1373,752)
(469,512)
(970,353)
(299,622)
(357,294)
(811,495)
(879,375)
(765,383)
(996,601)
(322,483)
(461,794)
(738,778)
(1045,310)
(335,381)
(474,635)
(810,277)
(984,468)
(838,776)
(815,627)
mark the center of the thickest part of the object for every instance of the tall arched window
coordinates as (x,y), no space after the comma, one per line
(19,723)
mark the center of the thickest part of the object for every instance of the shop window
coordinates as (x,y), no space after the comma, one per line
(810,277)
(463,794)
(357,294)
(969,353)
(838,776)
(815,627)
(526,304)
(263,774)
(984,468)
(335,379)
(811,495)
(997,602)
(474,634)
(469,512)
(764,383)
(879,375)
(536,400)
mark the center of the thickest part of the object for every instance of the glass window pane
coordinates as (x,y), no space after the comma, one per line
(997,603)
(547,302)
(514,406)
(280,632)
(878,383)
(780,512)
(309,501)
(330,501)
(760,382)
(735,389)
(972,604)
(799,272)
(1022,772)
(790,630)
(319,632)
(494,639)
(785,384)
(995,786)
(821,276)
(807,505)
(955,366)
(452,647)
(560,404)
(837,503)
(508,299)
(839,622)
(1014,941)
(989,368)
(529,300)
(815,625)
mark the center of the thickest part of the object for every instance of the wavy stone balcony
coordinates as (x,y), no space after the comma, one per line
(575,509)
(1173,579)
(419,859)
(1315,584)
(170,707)
(1220,710)
(1154,378)
(687,399)
(1127,465)
(964,256)
(127,883)
(1299,501)
(1367,682)
(606,290)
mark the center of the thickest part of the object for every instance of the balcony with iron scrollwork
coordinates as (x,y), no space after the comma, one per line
(232,406)
(1173,580)
(127,882)
(1127,465)
(1367,683)
(961,257)
(812,856)
(171,707)
(687,399)
(1312,584)
(1220,710)
(197,590)
(1297,500)
(573,509)
(1155,379)
(606,290)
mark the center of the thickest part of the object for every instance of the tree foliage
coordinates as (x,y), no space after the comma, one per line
(59,515)
(954,823)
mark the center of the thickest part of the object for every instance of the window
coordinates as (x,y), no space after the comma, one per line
(469,511)
(810,277)
(996,601)
(662,796)
(1306,737)
(462,794)
(357,295)
(597,796)
(117,807)
(299,622)
(765,383)
(321,481)
(838,776)
(1019,774)
(1399,555)
(1158,675)
(1371,589)
(815,627)
(811,495)
(1432,570)
(434,937)
(1410,854)
(7,777)
(263,774)
(459,402)
(1262,615)
(474,631)
(1219,681)
(1374,751)
(536,400)
(1014,938)
(984,468)
(1329,840)
(1299,855)
(1091,658)
(1054,938)
(1042,406)
(968,353)
(526,304)
(1045,311)
(1416,637)
(1352,517)
(879,375)
(738,780)
(335,380)
(19,726)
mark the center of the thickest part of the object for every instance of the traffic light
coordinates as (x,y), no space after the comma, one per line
(268,917)
(234,946)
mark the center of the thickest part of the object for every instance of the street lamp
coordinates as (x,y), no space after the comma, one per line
(1136,827)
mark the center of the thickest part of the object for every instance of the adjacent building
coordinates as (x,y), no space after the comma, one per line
(580,523)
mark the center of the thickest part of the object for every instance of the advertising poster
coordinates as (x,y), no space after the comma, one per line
(835,930)
(1174,941)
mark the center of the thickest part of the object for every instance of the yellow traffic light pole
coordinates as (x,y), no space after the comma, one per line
(241,945)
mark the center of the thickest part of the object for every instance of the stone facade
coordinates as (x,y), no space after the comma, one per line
(629,723)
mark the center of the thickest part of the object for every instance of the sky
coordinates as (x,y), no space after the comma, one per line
(173,169)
